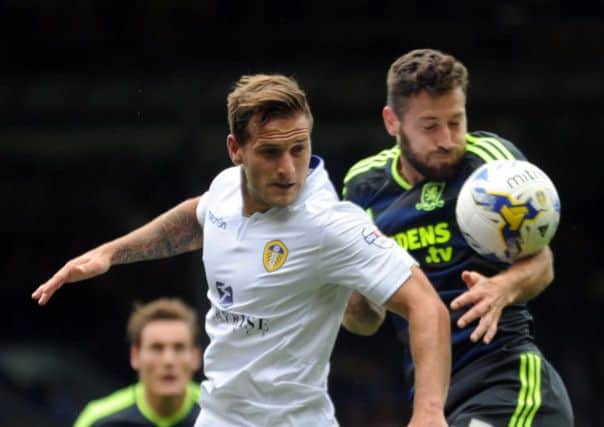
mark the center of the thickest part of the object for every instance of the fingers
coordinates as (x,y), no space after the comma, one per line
(481,329)
(476,312)
(470,278)
(473,295)
(486,312)
(47,289)
(487,328)
(464,299)
(69,273)
(42,295)
(491,331)
(486,306)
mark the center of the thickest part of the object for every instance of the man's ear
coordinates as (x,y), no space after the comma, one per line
(391,121)
(134,357)
(234,150)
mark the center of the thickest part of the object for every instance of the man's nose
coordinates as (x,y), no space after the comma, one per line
(285,165)
(168,356)
(446,138)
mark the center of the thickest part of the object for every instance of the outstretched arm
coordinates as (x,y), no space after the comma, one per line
(430,341)
(174,232)
(522,281)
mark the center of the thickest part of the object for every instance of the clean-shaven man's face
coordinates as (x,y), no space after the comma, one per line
(275,162)
(166,358)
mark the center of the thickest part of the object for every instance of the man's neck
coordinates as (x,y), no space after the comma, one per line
(250,206)
(408,172)
(165,406)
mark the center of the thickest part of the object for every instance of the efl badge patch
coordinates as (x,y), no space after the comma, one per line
(274,256)
(373,236)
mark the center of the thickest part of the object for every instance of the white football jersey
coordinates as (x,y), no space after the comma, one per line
(278,284)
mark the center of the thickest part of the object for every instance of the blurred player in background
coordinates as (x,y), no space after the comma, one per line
(163,337)
(281,255)
(499,377)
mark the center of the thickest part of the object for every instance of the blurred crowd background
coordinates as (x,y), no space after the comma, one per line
(113,111)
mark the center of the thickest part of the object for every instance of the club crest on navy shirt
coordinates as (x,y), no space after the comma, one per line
(431,197)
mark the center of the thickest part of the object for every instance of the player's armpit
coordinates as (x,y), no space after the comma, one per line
(362,317)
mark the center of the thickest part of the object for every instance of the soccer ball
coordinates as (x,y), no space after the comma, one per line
(508,209)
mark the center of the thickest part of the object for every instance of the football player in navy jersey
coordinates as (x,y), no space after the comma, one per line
(499,375)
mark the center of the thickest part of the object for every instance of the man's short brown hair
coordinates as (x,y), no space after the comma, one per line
(161,309)
(261,97)
(423,69)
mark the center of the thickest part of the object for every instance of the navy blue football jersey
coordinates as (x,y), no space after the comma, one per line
(421,219)
(128,407)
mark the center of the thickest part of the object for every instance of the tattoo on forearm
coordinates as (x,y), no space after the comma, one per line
(173,233)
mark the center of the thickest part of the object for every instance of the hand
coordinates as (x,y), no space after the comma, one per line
(488,298)
(90,264)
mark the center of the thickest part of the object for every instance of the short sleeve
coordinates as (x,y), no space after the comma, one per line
(355,254)
(202,208)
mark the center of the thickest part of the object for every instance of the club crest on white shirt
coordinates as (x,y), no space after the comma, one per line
(274,255)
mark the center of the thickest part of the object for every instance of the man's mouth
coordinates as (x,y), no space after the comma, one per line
(168,378)
(282,186)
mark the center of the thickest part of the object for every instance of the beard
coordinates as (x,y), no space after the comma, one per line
(418,162)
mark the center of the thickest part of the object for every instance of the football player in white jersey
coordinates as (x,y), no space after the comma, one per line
(282,256)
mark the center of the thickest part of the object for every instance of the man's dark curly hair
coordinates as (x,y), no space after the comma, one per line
(423,69)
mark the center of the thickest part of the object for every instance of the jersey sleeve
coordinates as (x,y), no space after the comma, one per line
(348,191)
(202,209)
(489,146)
(96,412)
(356,255)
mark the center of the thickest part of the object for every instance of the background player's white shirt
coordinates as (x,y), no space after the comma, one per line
(278,283)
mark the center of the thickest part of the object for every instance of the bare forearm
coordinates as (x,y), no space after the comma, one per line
(430,342)
(528,277)
(174,232)
(429,333)
(362,317)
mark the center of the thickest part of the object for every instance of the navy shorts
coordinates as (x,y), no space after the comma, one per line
(512,387)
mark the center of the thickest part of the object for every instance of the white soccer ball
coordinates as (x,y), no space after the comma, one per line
(508,209)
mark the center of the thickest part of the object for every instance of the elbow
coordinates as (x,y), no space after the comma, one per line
(442,313)
(548,275)
(438,311)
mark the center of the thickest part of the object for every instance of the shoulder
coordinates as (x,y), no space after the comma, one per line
(368,174)
(322,216)
(488,146)
(227,178)
(106,406)
(225,188)
(342,217)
